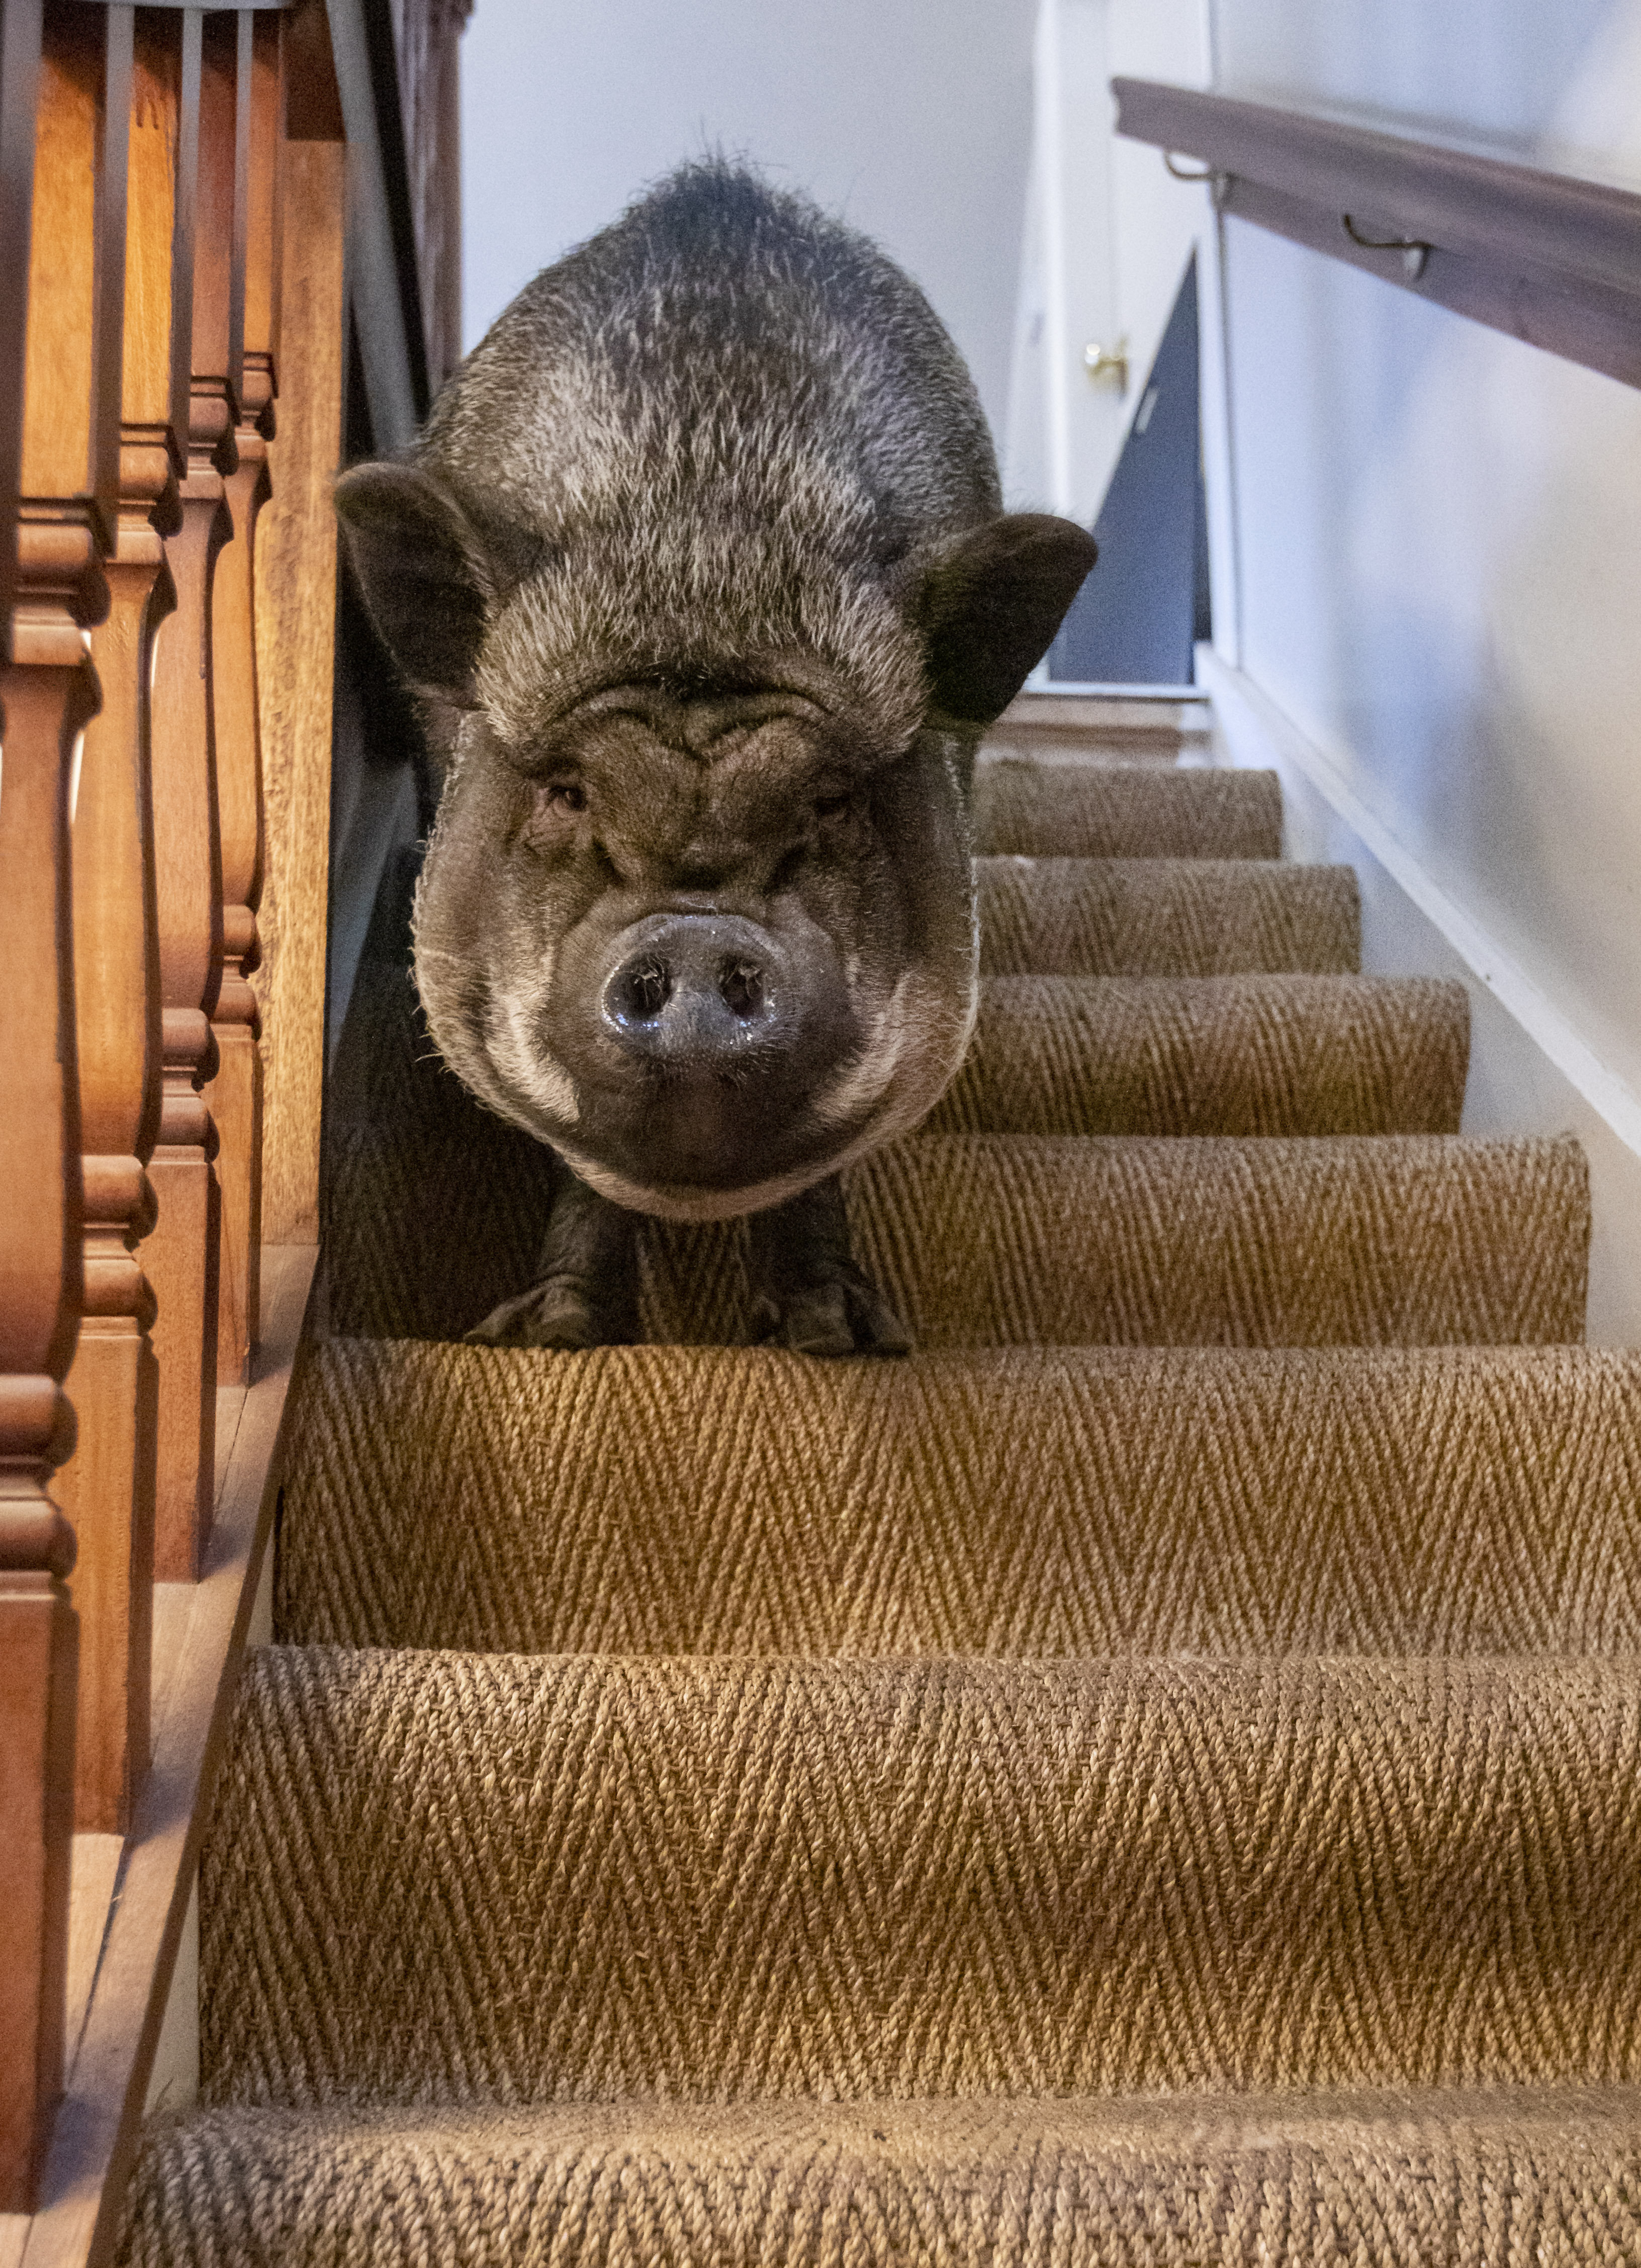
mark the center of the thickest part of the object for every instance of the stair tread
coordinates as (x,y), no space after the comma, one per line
(1166,917)
(1060,1500)
(1449,2180)
(1124,811)
(1212,1055)
(1017,1240)
(1100,725)
(734,1878)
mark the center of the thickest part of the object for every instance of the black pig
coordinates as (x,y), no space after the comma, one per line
(701,571)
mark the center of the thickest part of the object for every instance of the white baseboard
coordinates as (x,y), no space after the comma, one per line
(1531,1072)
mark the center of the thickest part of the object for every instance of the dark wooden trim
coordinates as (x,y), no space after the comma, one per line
(379,37)
(94,2139)
(313,101)
(1545,257)
(109,343)
(1586,323)
(185,230)
(244,59)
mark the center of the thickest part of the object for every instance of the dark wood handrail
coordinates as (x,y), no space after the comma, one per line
(1548,257)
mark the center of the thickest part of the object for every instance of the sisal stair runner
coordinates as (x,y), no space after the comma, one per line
(1154,1777)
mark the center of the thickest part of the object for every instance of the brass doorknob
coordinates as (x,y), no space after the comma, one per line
(1107,365)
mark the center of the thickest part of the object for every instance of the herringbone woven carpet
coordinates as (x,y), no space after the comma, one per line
(706,1877)
(1440,2180)
(1215,1055)
(1029,1240)
(1038,1233)
(1153,1777)
(1034,1502)
(1166,917)
(1072,811)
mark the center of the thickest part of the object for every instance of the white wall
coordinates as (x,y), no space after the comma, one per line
(911,118)
(1439,529)
(971,138)
(1559,81)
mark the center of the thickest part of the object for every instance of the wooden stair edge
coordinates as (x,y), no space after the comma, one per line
(96,2130)
(1129,723)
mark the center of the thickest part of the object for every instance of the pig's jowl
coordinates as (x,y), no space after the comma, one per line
(701,572)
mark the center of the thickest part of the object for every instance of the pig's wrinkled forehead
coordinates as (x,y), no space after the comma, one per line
(603,615)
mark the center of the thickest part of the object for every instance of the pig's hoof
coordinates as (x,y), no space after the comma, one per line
(839,1313)
(557,1313)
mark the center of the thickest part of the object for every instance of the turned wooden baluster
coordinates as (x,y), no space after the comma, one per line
(65,469)
(182,1256)
(44,701)
(235,1096)
(107,1489)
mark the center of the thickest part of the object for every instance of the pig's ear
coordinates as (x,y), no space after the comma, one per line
(990,607)
(421,573)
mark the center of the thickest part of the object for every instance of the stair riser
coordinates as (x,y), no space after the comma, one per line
(1017,1243)
(1162,917)
(732,1879)
(650,1500)
(1270,1056)
(1068,811)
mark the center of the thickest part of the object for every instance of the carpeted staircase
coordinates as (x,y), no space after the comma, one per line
(1155,1778)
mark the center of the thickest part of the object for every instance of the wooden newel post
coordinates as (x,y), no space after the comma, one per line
(182,1256)
(236,1092)
(107,1487)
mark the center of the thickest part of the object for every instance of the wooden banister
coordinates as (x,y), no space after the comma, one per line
(46,694)
(182,1258)
(36,1625)
(235,1096)
(1550,258)
(67,459)
(107,1489)
(19,80)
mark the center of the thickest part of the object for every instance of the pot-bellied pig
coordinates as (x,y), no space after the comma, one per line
(701,571)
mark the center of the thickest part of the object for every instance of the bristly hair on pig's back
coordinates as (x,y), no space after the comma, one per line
(715,432)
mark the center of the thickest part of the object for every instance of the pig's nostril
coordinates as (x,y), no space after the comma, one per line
(741,987)
(644,991)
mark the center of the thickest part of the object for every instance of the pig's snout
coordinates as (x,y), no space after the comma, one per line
(696,1041)
(698,991)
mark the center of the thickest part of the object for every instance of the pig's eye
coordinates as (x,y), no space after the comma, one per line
(832,806)
(553,808)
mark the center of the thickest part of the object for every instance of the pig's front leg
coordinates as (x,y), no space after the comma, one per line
(587,1293)
(808,1292)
